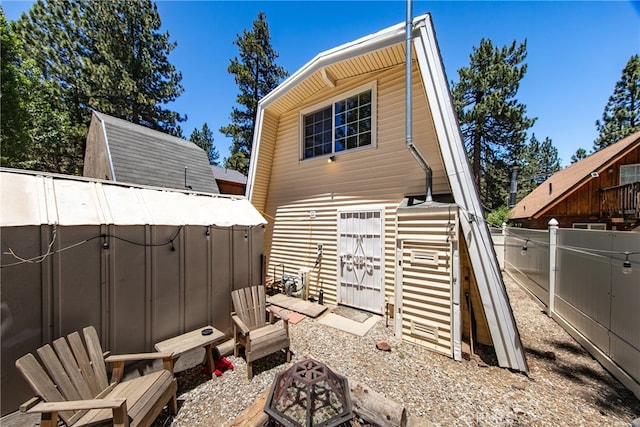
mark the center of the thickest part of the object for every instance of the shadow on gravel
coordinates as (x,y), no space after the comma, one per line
(599,387)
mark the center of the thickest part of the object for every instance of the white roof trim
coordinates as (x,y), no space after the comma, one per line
(106,142)
(504,331)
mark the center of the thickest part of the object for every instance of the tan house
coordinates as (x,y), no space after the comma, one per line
(599,192)
(375,209)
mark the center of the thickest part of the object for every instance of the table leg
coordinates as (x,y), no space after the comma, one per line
(209,359)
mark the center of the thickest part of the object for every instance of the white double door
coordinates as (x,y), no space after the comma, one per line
(360,258)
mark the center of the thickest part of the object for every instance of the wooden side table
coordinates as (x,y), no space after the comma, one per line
(181,344)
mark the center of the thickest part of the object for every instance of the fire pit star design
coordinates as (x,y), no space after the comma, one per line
(309,394)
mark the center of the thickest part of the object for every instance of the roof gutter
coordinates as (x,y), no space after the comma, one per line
(409,108)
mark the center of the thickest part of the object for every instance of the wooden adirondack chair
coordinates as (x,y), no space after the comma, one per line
(72,382)
(252,331)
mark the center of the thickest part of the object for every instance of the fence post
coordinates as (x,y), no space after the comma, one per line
(553,242)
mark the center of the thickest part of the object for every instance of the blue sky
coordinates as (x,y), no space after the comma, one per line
(576,50)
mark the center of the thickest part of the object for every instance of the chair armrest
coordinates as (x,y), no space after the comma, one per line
(79,405)
(239,323)
(137,356)
(117,405)
(30,404)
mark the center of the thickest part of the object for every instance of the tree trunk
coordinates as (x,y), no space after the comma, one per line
(376,409)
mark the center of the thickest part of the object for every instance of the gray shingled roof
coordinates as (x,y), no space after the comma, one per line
(144,156)
(229,175)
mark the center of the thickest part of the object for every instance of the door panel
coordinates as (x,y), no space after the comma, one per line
(360,263)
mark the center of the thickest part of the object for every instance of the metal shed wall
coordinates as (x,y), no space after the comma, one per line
(79,252)
(136,293)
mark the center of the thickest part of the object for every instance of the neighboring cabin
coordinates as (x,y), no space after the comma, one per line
(229,181)
(599,192)
(120,151)
(346,199)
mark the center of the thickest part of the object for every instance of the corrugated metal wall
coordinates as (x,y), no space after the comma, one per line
(136,293)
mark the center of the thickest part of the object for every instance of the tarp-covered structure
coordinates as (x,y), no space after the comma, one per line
(141,264)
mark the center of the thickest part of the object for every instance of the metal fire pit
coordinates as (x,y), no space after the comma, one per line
(309,394)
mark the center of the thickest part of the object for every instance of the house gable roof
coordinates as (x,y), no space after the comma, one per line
(140,155)
(378,52)
(562,183)
(229,175)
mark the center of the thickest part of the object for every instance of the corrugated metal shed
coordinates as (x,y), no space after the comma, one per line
(139,155)
(28,198)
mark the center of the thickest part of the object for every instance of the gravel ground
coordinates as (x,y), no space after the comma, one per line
(565,385)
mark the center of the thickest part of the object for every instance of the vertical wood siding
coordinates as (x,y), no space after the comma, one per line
(381,175)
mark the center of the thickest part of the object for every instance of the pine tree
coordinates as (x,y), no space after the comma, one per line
(580,154)
(35,133)
(256,74)
(204,139)
(540,160)
(621,115)
(14,140)
(103,55)
(493,123)
(132,77)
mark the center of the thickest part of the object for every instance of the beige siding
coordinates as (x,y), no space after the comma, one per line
(380,175)
(263,172)
(426,284)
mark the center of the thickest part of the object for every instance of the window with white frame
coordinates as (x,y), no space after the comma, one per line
(629,174)
(346,124)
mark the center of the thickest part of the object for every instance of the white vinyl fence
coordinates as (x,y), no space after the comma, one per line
(589,280)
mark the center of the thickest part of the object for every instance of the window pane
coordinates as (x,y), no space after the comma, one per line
(345,125)
(629,174)
(365,139)
(317,132)
(352,102)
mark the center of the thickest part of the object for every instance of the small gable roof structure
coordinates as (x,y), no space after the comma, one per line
(564,183)
(376,56)
(120,151)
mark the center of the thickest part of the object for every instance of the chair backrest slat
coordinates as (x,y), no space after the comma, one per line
(51,361)
(83,362)
(71,366)
(97,358)
(40,382)
(250,305)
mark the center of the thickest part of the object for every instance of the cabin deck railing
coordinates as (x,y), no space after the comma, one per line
(621,200)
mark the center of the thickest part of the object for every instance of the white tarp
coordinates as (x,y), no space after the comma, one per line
(36,198)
